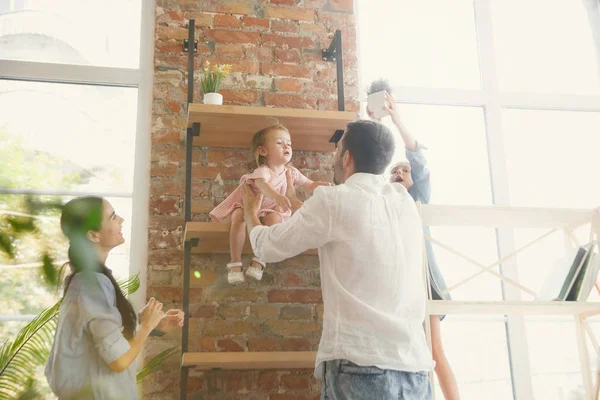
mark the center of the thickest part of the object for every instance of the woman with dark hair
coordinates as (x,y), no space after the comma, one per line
(98,338)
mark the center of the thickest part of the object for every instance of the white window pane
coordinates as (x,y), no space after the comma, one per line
(83,32)
(424,43)
(457,159)
(551,158)
(456,151)
(544,46)
(477,351)
(554,358)
(70,136)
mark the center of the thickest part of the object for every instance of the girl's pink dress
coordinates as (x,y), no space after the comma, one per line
(223,211)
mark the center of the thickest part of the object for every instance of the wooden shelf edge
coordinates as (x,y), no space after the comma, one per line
(250,360)
(228,109)
(583,309)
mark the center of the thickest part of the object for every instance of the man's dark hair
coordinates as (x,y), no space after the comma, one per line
(372,145)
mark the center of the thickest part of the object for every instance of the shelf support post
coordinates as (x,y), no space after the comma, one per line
(334,54)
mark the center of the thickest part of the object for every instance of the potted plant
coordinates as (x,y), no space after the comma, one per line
(211,82)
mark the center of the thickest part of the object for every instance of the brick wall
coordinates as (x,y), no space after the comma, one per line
(275,49)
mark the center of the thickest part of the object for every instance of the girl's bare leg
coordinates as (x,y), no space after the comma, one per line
(442,366)
(237,237)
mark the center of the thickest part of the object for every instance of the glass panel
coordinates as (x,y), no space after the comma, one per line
(551,158)
(425,43)
(544,46)
(60,136)
(82,32)
(477,351)
(553,355)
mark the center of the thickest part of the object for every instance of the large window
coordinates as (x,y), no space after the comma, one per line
(505,94)
(75,91)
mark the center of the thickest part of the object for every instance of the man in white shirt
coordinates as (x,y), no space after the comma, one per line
(370,243)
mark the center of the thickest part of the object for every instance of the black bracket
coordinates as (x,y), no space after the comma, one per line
(186,45)
(194,242)
(330,53)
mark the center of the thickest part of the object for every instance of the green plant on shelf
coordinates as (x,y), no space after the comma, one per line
(212,76)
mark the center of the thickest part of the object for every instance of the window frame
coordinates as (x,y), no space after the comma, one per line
(493,101)
(140,78)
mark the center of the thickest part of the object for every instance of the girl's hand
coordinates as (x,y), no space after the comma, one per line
(290,192)
(152,314)
(390,107)
(172,319)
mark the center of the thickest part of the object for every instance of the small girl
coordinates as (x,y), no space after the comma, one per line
(272,151)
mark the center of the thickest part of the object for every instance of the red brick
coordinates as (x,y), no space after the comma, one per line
(294,279)
(258,23)
(171,32)
(295,382)
(228,21)
(288,85)
(291,328)
(295,344)
(291,56)
(263,312)
(233,295)
(259,53)
(164,205)
(202,19)
(289,100)
(286,396)
(288,42)
(296,312)
(304,296)
(296,71)
(283,2)
(224,36)
(167,294)
(229,345)
(293,13)
(174,106)
(166,137)
(284,26)
(234,382)
(239,96)
(168,46)
(203,312)
(233,173)
(166,154)
(262,344)
(232,311)
(161,222)
(166,187)
(195,383)
(223,158)
(342,5)
(223,328)
(306,160)
(163,170)
(202,343)
(247,66)
(229,50)
(168,16)
(267,381)
(233,8)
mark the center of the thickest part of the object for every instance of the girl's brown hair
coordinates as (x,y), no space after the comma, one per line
(259,140)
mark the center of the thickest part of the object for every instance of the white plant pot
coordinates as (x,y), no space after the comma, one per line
(213,98)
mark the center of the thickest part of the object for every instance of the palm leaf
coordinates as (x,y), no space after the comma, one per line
(130,285)
(153,365)
(20,357)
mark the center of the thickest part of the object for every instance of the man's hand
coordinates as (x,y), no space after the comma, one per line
(251,201)
(171,320)
(290,192)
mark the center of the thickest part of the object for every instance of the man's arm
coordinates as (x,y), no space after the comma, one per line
(309,228)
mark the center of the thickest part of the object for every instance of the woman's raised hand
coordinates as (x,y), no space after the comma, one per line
(152,314)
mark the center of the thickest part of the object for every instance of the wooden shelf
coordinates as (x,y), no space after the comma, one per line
(251,360)
(214,238)
(584,309)
(234,126)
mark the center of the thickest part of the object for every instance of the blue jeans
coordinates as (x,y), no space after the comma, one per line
(345,380)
